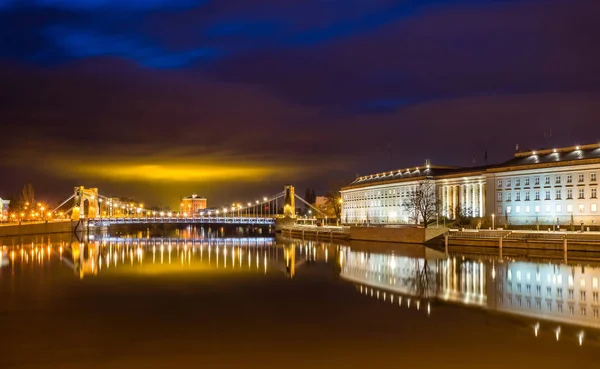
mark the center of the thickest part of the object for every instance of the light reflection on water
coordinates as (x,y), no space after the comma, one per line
(555,297)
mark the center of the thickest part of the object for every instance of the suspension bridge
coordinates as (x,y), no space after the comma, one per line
(88,207)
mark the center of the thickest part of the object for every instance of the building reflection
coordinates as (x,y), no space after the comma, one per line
(550,292)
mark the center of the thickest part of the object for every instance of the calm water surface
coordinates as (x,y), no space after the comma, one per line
(190,300)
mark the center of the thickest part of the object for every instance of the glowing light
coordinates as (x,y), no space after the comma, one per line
(536,329)
(557,331)
(580,337)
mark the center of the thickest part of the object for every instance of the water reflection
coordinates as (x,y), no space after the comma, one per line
(552,293)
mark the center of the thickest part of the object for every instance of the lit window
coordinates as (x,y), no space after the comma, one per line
(518,275)
(593,208)
(527,209)
(569,178)
(582,282)
(537,208)
(581,208)
(558,208)
(508,209)
(580,178)
(509,274)
(569,208)
(547,208)
(517,209)
(594,282)
(559,279)
(558,194)
(570,280)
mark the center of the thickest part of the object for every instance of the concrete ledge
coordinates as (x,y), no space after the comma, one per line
(399,234)
(37,228)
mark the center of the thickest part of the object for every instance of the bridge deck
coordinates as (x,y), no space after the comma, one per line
(183,220)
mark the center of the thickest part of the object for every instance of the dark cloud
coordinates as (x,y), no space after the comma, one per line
(124,94)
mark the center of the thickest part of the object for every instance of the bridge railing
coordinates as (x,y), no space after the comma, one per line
(219,220)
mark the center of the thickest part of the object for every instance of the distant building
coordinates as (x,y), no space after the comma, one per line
(543,187)
(4,206)
(192,204)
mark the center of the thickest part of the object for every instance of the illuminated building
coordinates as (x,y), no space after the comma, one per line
(192,204)
(4,206)
(545,187)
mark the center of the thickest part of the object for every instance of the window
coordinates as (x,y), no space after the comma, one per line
(571,294)
(558,194)
(582,310)
(547,180)
(595,297)
(538,304)
(596,313)
(537,194)
(595,283)
(517,209)
(528,288)
(569,193)
(547,207)
(593,192)
(528,303)
(508,196)
(581,193)
(548,305)
(569,178)
(518,182)
(499,183)
(518,196)
(592,177)
(581,208)
(527,209)
(548,291)
(593,208)
(559,307)
(519,287)
(527,181)
(582,296)
(537,208)
(557,179)
(558,208)
(582,282)
(508,209)
(536,181)
(571,310)
(580,178)
(499,210)
(559,293)
(547,195)
(527,197)
(499,196)
(508,183)
(569,208)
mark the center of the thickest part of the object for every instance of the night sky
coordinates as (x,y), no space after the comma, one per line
(233,99)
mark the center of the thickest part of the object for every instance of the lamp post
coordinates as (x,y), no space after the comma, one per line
(493,221)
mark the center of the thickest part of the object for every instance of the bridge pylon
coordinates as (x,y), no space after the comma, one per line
(289,202)
(82,195)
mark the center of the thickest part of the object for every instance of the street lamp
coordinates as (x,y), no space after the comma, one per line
(493,221)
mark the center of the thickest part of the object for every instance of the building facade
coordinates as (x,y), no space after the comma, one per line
(547,188)
(192,204)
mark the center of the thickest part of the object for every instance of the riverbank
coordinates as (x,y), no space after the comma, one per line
(33,228)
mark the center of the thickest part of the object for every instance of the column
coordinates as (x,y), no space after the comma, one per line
(454,200)
(474,199)
(481,214)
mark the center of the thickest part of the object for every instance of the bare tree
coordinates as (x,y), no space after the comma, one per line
(27,195)
(422,203)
